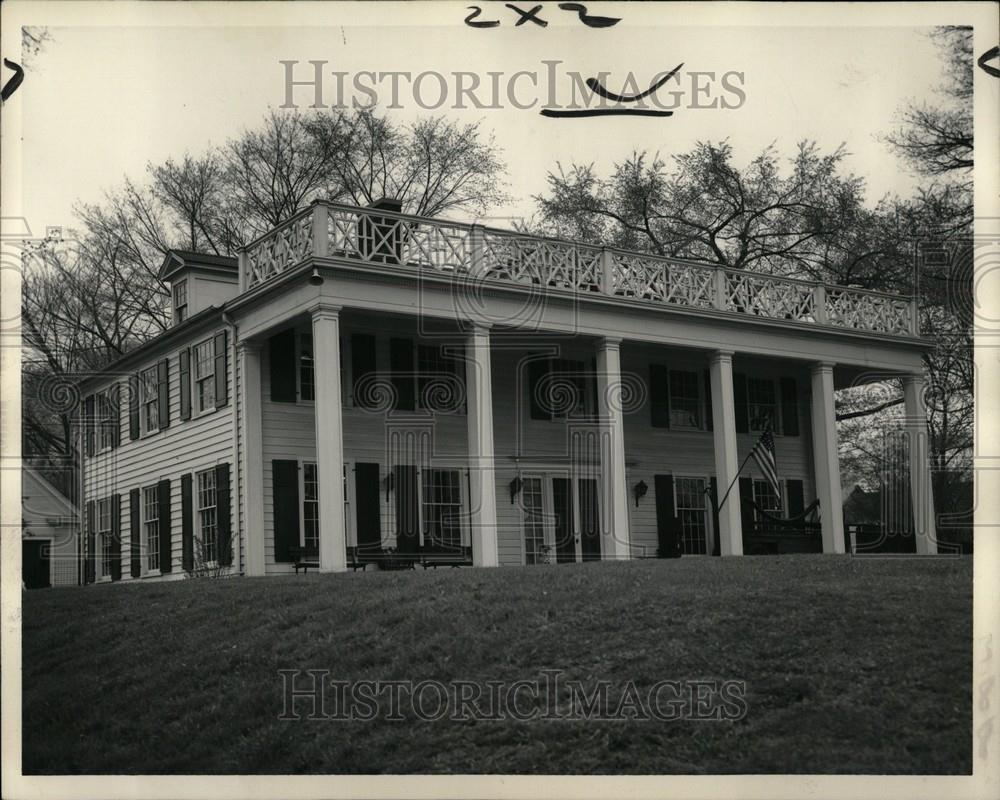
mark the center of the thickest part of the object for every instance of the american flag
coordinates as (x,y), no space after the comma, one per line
(763,453)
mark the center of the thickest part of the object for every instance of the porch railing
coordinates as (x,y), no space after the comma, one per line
(381,237)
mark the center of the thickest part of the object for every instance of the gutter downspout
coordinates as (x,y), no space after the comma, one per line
(237,460)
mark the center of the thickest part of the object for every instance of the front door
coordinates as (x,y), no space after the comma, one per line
(35,563)
(565,530)
(574,523)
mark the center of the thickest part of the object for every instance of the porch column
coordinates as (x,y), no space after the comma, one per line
(730,531)
(482,476)
(921,493)
(826,458)
(329,438)
(616,541)
(253,457)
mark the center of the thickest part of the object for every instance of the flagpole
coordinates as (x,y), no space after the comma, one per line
(731,485)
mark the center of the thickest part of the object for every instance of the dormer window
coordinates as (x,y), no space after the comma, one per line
(180,301)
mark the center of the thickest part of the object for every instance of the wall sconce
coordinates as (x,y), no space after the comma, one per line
(515,488)
(390,484)
(639,490)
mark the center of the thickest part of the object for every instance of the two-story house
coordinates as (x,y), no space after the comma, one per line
(361,386)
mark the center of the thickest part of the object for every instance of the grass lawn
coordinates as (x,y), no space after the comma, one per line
(850,666)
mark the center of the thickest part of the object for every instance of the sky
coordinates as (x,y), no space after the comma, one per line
(100,103)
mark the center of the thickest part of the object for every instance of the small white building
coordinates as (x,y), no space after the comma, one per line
(362,386)
(50,542)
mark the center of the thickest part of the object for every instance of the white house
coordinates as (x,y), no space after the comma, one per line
(50,554)
(362,386)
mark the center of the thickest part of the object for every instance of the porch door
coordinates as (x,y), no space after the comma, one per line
(590,516)
(565,530)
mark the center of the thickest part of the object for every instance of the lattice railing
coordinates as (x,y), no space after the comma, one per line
(868,311)
(387,238)
(766,296)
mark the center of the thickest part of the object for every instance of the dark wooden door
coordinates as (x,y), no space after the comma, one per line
(590,519)
(407,510)
(562,507)
(35,563)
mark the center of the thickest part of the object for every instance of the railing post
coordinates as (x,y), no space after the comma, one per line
(244,263)
(720,288)
(477,250)
(320,237)
(914,316)
(819,298)
(607,272)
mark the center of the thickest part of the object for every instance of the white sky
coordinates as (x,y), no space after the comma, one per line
(99,103)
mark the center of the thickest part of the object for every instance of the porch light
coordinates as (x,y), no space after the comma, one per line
(639,490)
(315,279)
(515,488)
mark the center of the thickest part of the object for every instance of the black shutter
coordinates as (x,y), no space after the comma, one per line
(407,509)
(165,528)
(184,374)
(224,515)
(133,407)
(187,523)
(282,357)
(286,508)
(713,493)
(746,509)
(368,506)
(116,537)
(88,424)
(222,369)
(401,366)
(789,407)
(363,364)
(796,497)
(135,532)
(163,392)
(659,397)
(740,398)
(538,405)
(90,570)
(668,526)
(114,400)
(709,423)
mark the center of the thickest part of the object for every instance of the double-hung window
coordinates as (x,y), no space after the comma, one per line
(442,507)
(204,375)
(762,404)
(150,400)
(692,510)
(765,497)
(207,517)
(151,527)
(685,400)
(439,380)
(105,533)
(106,419)
(310,505)
(532,505)
(307,370)
(180,301)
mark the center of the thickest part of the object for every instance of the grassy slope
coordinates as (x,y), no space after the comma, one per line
(851,666)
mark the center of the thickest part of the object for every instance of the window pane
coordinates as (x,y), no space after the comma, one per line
(692,510)
(534,528)
(685,401)
(442,506)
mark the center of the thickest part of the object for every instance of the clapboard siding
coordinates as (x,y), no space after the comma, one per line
(184,446)
(46,514)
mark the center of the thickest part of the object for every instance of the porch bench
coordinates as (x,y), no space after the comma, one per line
(435,557)
(304,558)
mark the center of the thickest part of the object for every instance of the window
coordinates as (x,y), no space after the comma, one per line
(762,404)
(105,533)
(692,509)
(207,519)
(307,373)
(180,301)
(685,400)
(442,507)
(150,400)
(534,521)
(439,380)
(106,419)
(765,497)
(151,527)
(310,506)
(204,375)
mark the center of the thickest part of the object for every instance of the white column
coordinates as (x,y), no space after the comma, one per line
(826,458)
(482,476)
(730,531)
(921,494)
(329,438)
(253,458)
(615,543)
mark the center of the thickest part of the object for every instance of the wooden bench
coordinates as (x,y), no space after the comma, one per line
(435,557)
(304,558)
